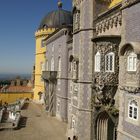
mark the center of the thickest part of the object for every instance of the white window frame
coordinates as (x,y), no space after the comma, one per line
(133,105)
(111,54)
(97,62)
(132,62)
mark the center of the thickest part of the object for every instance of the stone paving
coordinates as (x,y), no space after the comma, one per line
(36,125)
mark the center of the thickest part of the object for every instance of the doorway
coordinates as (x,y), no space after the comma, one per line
(105,127)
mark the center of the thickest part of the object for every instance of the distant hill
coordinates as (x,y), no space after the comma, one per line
(13,76)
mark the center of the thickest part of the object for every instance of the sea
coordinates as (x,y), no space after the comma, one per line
(13,76)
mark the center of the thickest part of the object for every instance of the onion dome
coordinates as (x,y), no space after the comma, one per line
(57,19)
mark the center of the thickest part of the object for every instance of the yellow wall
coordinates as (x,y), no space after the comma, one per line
(40,57)
(12,97)
(114,2)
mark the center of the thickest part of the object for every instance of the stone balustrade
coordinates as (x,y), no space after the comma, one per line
(10,114)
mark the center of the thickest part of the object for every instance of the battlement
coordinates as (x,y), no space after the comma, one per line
(44,31)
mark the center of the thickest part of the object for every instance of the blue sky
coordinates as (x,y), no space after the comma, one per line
(19,20)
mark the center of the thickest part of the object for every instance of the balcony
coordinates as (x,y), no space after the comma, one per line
(49,75)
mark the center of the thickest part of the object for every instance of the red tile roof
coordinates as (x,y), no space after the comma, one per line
(16,89)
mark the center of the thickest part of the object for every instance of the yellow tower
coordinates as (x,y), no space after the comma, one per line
(114,2)
(40,59)
(52,21)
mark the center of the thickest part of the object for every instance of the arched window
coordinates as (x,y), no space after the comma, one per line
(58,106)
(59,66)
(132,62)
(97,62)
(73,122)
(133,110)
(42,66)
(109,62)
(47,65)
(52,64)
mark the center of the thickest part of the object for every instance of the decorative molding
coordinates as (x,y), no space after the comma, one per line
(127,3)
(129,89)
(109,22)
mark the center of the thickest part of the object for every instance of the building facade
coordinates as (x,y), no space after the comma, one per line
(92,76)
(129,111)
(57,61)
(40,58)
(81,60)
(48,25)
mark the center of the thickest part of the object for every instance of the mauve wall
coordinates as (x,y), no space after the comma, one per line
(60,50)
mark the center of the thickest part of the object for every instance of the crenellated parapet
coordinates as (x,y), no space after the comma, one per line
(44,32)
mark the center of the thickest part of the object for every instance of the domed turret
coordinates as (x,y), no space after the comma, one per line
(57,19)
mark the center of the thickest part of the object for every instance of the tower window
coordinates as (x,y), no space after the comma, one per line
(133,110)
(52,64)
(59,66)
(42,66)
(109,62)
(132,62)
(97,62)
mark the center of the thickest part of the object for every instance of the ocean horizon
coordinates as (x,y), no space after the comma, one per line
(10,76)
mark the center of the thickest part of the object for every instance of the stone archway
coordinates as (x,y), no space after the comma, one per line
(105,127)
(40,95)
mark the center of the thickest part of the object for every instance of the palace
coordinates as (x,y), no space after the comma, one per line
(87,69)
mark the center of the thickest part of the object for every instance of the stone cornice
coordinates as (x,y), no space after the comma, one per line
(127,3)
(130,89)
(87,29)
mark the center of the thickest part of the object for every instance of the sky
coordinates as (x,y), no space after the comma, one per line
(19,19)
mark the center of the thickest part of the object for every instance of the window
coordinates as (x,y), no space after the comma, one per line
(77,17)
(133,110)
(42,43)
(75,69)
(59,67)
(52,48)
(72,122)
(132,62)
(97,62)
(42,66)
(74,66)
(58,106)
(70,66)
(109,62)
(52,64)
(47,66)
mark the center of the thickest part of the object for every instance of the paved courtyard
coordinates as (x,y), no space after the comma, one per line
(36,125)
